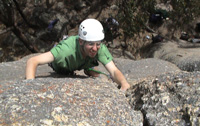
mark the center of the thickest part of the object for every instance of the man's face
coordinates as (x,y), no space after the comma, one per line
(91,48)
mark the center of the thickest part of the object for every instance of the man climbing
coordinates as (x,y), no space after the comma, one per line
(79,52)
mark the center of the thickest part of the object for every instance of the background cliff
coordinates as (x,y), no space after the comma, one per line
(34,26)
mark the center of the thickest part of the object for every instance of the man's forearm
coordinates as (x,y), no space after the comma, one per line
(30,69)
(120,79)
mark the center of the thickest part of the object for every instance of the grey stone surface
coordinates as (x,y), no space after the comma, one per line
(168,100)
(52,99)
(183,54)
(160,94)
(65,101)
(16,70)
(145,67)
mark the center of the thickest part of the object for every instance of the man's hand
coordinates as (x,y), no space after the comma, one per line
(125,87)
(117,76)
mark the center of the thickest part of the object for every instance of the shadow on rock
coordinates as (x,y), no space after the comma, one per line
(56,75)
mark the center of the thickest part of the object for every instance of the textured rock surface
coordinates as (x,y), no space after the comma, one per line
(168,100)
(66,101)
(51,99)
(160,94)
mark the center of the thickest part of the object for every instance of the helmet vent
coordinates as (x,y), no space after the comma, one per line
(84,33)
(82,27)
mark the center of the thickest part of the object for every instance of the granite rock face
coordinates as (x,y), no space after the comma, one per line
(65,101)
(168,100)
(52,99)
(160,94)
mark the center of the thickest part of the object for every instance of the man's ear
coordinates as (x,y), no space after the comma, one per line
(81,42)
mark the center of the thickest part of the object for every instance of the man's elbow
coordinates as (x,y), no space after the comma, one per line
(31,61)
(31,65)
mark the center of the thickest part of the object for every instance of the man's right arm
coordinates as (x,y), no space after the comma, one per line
(33,62)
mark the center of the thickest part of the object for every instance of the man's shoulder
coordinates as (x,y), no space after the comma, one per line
(70,42)
(104,55)
(65,46)
(103,48)
(70,39)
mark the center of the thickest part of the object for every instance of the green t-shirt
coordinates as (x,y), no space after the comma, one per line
(68,57)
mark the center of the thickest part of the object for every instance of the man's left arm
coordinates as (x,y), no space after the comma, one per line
(117,76)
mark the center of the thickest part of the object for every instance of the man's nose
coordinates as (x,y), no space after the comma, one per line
(94,47)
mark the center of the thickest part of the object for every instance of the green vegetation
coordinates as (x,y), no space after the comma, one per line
(134,14)
(184,11)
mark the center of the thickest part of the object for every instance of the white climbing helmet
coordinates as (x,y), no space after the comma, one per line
(91,30)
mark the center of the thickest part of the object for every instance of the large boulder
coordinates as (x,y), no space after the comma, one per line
(65,101)
(51,99)
(160,94)
(183,54)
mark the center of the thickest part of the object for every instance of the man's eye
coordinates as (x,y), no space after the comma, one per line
(90,43)
(98,44)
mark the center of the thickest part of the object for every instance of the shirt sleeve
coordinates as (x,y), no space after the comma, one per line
(55,50)
(104,55)
(62,48)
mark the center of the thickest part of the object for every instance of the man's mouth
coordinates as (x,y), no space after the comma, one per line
(93,53)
